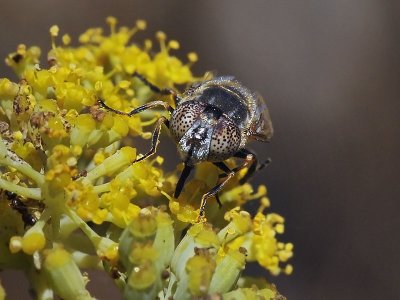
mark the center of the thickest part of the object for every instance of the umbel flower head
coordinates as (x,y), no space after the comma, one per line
(73,197)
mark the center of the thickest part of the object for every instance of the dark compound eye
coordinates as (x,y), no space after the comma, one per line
(184,117)
(225,140)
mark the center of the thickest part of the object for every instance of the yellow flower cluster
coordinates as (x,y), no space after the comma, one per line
(68,174)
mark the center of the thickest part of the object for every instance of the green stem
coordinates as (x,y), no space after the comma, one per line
(87,261)
(102,188)
(67,226)
(102,244)
(82,224)
(22,167)
(31,193)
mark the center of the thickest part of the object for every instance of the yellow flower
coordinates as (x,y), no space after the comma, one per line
(266,249)
(78,198)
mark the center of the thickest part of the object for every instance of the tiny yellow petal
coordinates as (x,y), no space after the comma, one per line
(173,44)
(192,56)
(111,20)
(124,84)
(160,35)
(141,24)
(54,30)
(66,39)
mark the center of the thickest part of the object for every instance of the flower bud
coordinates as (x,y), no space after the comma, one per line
(146,248)
(228,271)
(64,275)
(122,157)
(199,235)
(33,240)
(251,293)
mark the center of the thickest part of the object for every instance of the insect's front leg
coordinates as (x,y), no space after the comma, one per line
(155,138)
(156,133)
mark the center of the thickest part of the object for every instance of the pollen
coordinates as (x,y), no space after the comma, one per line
(141,24)
(192,56)
(66,39)
(161,36)
(54,30)
(173,44)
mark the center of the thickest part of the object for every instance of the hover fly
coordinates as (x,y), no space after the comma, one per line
(212,121)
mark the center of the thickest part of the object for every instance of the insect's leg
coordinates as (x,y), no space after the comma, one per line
(226,171)
(213,192)
(138,109)
(156,89)
(250,159)
(155,138)
(222,166)
(258,168)
(264,164)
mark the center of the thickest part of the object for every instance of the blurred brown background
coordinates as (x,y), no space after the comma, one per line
(330,71)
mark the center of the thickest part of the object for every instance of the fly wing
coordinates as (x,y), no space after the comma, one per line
(261,129)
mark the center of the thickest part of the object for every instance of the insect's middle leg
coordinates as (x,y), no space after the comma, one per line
(156,89)
(137,109)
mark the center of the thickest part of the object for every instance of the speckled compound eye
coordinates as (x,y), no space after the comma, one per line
(225,140)
(183,118)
